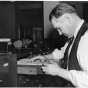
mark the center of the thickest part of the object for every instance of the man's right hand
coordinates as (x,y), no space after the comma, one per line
(57,54)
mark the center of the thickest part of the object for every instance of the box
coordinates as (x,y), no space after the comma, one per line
(4,45)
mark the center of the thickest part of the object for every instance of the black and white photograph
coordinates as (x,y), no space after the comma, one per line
(44,44)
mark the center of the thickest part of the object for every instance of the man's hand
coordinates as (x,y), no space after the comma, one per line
(55,70)
(57,54)
(51,69)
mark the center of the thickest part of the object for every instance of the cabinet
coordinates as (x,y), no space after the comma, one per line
(29,16)
(17,19)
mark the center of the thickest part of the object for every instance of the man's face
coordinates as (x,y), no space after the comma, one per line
(63,25)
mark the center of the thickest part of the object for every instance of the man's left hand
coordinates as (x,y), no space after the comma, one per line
(51,69)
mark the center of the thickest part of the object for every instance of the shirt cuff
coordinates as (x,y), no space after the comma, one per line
(79,78)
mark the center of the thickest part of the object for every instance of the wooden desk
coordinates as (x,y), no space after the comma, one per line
(29,69)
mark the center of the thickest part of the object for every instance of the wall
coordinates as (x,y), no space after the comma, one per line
(7,20)
(48,6)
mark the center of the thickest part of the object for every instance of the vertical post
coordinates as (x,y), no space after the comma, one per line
(12,82)
(12,57)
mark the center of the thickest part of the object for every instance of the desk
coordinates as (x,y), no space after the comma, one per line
(31,75)
(29,69)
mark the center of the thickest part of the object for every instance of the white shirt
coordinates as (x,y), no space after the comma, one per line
(80,78)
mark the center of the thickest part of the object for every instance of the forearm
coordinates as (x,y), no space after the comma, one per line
(79,77)
(74,76)
(64,73)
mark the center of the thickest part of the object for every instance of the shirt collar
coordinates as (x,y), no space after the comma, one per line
(78,28)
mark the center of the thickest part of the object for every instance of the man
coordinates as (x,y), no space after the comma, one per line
(66,20)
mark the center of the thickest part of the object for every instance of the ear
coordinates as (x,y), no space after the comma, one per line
(68,17)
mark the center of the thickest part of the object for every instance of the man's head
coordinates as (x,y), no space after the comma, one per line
(65,19)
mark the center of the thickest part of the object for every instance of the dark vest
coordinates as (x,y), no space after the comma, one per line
(72,59)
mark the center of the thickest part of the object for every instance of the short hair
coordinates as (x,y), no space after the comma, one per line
(61,9)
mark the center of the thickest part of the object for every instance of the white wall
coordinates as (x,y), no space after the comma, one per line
(48,6)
